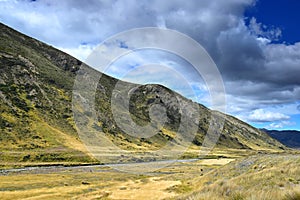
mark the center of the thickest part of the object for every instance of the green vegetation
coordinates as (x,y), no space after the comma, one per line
(36,121)
(37,124)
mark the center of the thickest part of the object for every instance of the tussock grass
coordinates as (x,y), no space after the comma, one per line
(265,177)
(294,195)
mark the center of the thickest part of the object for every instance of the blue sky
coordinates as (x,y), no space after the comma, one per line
(283,14)
(255,45)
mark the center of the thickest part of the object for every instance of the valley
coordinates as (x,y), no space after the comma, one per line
(258,176)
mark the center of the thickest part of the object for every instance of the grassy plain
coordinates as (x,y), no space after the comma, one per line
(230,174)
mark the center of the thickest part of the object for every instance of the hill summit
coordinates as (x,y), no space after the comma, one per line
(37,122)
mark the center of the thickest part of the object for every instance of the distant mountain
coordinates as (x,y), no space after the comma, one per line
(37,122)
(290,138)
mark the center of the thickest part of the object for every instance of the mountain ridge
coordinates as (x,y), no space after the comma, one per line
(290,138)
(37,123)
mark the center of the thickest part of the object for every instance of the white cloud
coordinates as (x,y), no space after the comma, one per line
(81,52)
(262,30)
(261,115)
(279,125)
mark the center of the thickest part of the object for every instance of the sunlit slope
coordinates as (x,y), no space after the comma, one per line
(37,122)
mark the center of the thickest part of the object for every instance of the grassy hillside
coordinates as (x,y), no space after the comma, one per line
(37,124)
(35,89)
(262,176)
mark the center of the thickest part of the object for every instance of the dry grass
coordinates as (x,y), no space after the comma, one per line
(153,189)
(101,183)
(58,186)
(219,161)
(261,176)
(257,177)
(84,185)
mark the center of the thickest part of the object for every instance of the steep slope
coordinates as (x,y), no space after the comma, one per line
(35,90)
(290,138)
(37,123)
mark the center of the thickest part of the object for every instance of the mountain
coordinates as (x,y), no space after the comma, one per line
(37,122)
(290,138)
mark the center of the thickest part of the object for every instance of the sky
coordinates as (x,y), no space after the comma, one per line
(255,45)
